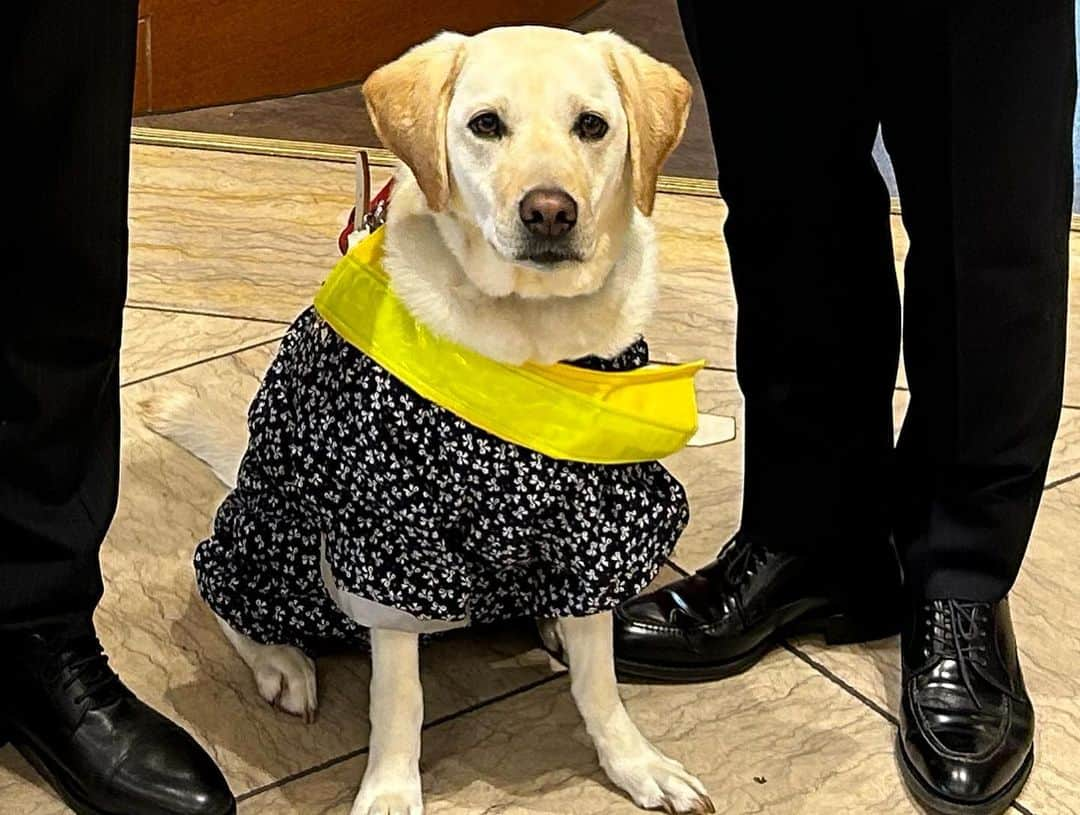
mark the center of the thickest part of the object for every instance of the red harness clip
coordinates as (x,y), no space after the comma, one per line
(374,209)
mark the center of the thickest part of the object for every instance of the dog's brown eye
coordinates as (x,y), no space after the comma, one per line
(486,125)
(590,127)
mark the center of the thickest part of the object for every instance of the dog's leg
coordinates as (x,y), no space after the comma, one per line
(391,784)
(652,779)
(285,675)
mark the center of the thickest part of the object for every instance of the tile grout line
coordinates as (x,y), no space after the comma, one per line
(821,669)
(198,313)
(301,774)
(441,720)
(203,360)
(1060,481)
(671,562)
(840,683)
(502,697)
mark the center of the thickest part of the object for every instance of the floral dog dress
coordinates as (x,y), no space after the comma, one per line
(360,502)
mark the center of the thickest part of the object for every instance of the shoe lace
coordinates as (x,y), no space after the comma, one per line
(741,559)
(961,636)
(84,661)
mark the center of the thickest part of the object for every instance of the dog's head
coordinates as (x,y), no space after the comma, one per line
(538,141)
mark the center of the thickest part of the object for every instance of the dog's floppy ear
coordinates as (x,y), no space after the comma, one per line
(656,98)
(407,101)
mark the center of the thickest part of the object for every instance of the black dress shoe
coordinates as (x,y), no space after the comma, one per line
(101,749)
(966,722)
(722,620)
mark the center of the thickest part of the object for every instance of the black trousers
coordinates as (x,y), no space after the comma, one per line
(68,78)
(975,103)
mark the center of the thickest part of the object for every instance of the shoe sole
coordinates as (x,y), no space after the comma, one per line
(70,798)
(838,629)
(933,802)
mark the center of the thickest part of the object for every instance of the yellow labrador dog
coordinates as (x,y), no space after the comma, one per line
(518,228)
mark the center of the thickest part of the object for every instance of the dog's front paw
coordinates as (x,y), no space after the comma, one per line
(389,796)
(285,677)
(655,781)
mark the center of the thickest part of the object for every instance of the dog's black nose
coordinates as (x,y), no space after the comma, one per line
(548,213)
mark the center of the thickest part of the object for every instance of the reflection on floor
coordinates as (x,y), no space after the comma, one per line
(225,250)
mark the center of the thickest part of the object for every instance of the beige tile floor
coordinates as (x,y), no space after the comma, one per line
(225,250)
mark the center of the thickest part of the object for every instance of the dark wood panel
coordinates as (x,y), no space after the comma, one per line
(209,52)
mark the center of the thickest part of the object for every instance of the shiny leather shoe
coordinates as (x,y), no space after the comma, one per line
(722,620)
(966,722)
(100,748)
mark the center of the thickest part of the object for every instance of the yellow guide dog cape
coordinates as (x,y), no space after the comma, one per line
(559,410)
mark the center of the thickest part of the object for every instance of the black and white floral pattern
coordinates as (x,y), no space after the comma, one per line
(419,510)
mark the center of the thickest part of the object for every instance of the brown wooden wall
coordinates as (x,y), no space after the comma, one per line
(195,53)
